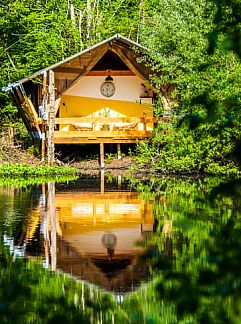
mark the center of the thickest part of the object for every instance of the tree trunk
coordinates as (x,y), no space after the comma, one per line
(51,119)
(89,19)
(80,28)
(72,15)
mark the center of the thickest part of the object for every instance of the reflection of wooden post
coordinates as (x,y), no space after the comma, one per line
(102,156)
(51,118)
(107,212)
(94,213)
(53,238)
(43,189)
(118,151)
(102,181)
(144,121)
(44,225)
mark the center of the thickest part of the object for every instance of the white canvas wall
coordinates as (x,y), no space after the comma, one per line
(127,88)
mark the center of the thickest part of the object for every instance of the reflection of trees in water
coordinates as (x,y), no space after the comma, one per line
(16,207)
(197,264)
(194,254)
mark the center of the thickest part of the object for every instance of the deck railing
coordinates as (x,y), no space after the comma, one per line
(108,123)
(104,129)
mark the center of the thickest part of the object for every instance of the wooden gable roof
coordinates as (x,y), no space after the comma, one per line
(70,70)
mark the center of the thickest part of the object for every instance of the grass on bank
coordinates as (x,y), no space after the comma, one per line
(23,170)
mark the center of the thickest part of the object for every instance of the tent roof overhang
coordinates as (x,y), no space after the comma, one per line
(116,40)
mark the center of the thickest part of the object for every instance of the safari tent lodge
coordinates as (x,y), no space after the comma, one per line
(100,95)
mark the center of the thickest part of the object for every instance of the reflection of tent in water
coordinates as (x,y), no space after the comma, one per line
(103,228)
(92,235)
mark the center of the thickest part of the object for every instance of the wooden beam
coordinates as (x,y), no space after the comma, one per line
(32,110)
(103,134)
(113,73)
(56,105)
(29,109)
(104,120)
(51,119)
(65,69)
(94,58)
(24,116)
(128,62)
(78,140)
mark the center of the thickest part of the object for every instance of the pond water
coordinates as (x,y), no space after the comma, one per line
(90,228)
(167,250)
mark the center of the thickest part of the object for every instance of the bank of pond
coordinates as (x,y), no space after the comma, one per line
(107,249)
(23,171)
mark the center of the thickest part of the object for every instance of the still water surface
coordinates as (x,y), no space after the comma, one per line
(177,239)
(91,229)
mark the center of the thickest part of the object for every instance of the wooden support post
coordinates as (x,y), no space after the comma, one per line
(102,181)
(119,181)
(43,143)
(119,151)
(102,156)
(51,119)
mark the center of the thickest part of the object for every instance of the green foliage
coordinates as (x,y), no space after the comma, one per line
(33,150)
(196,264)
(30,294)
(35,171)
(204,131)
(19,182)
(112,156)
(208,148)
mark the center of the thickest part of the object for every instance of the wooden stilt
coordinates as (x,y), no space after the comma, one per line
(119,151)
(102,156)
(51,119)
(43,143)
(119,181)
(102,181)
